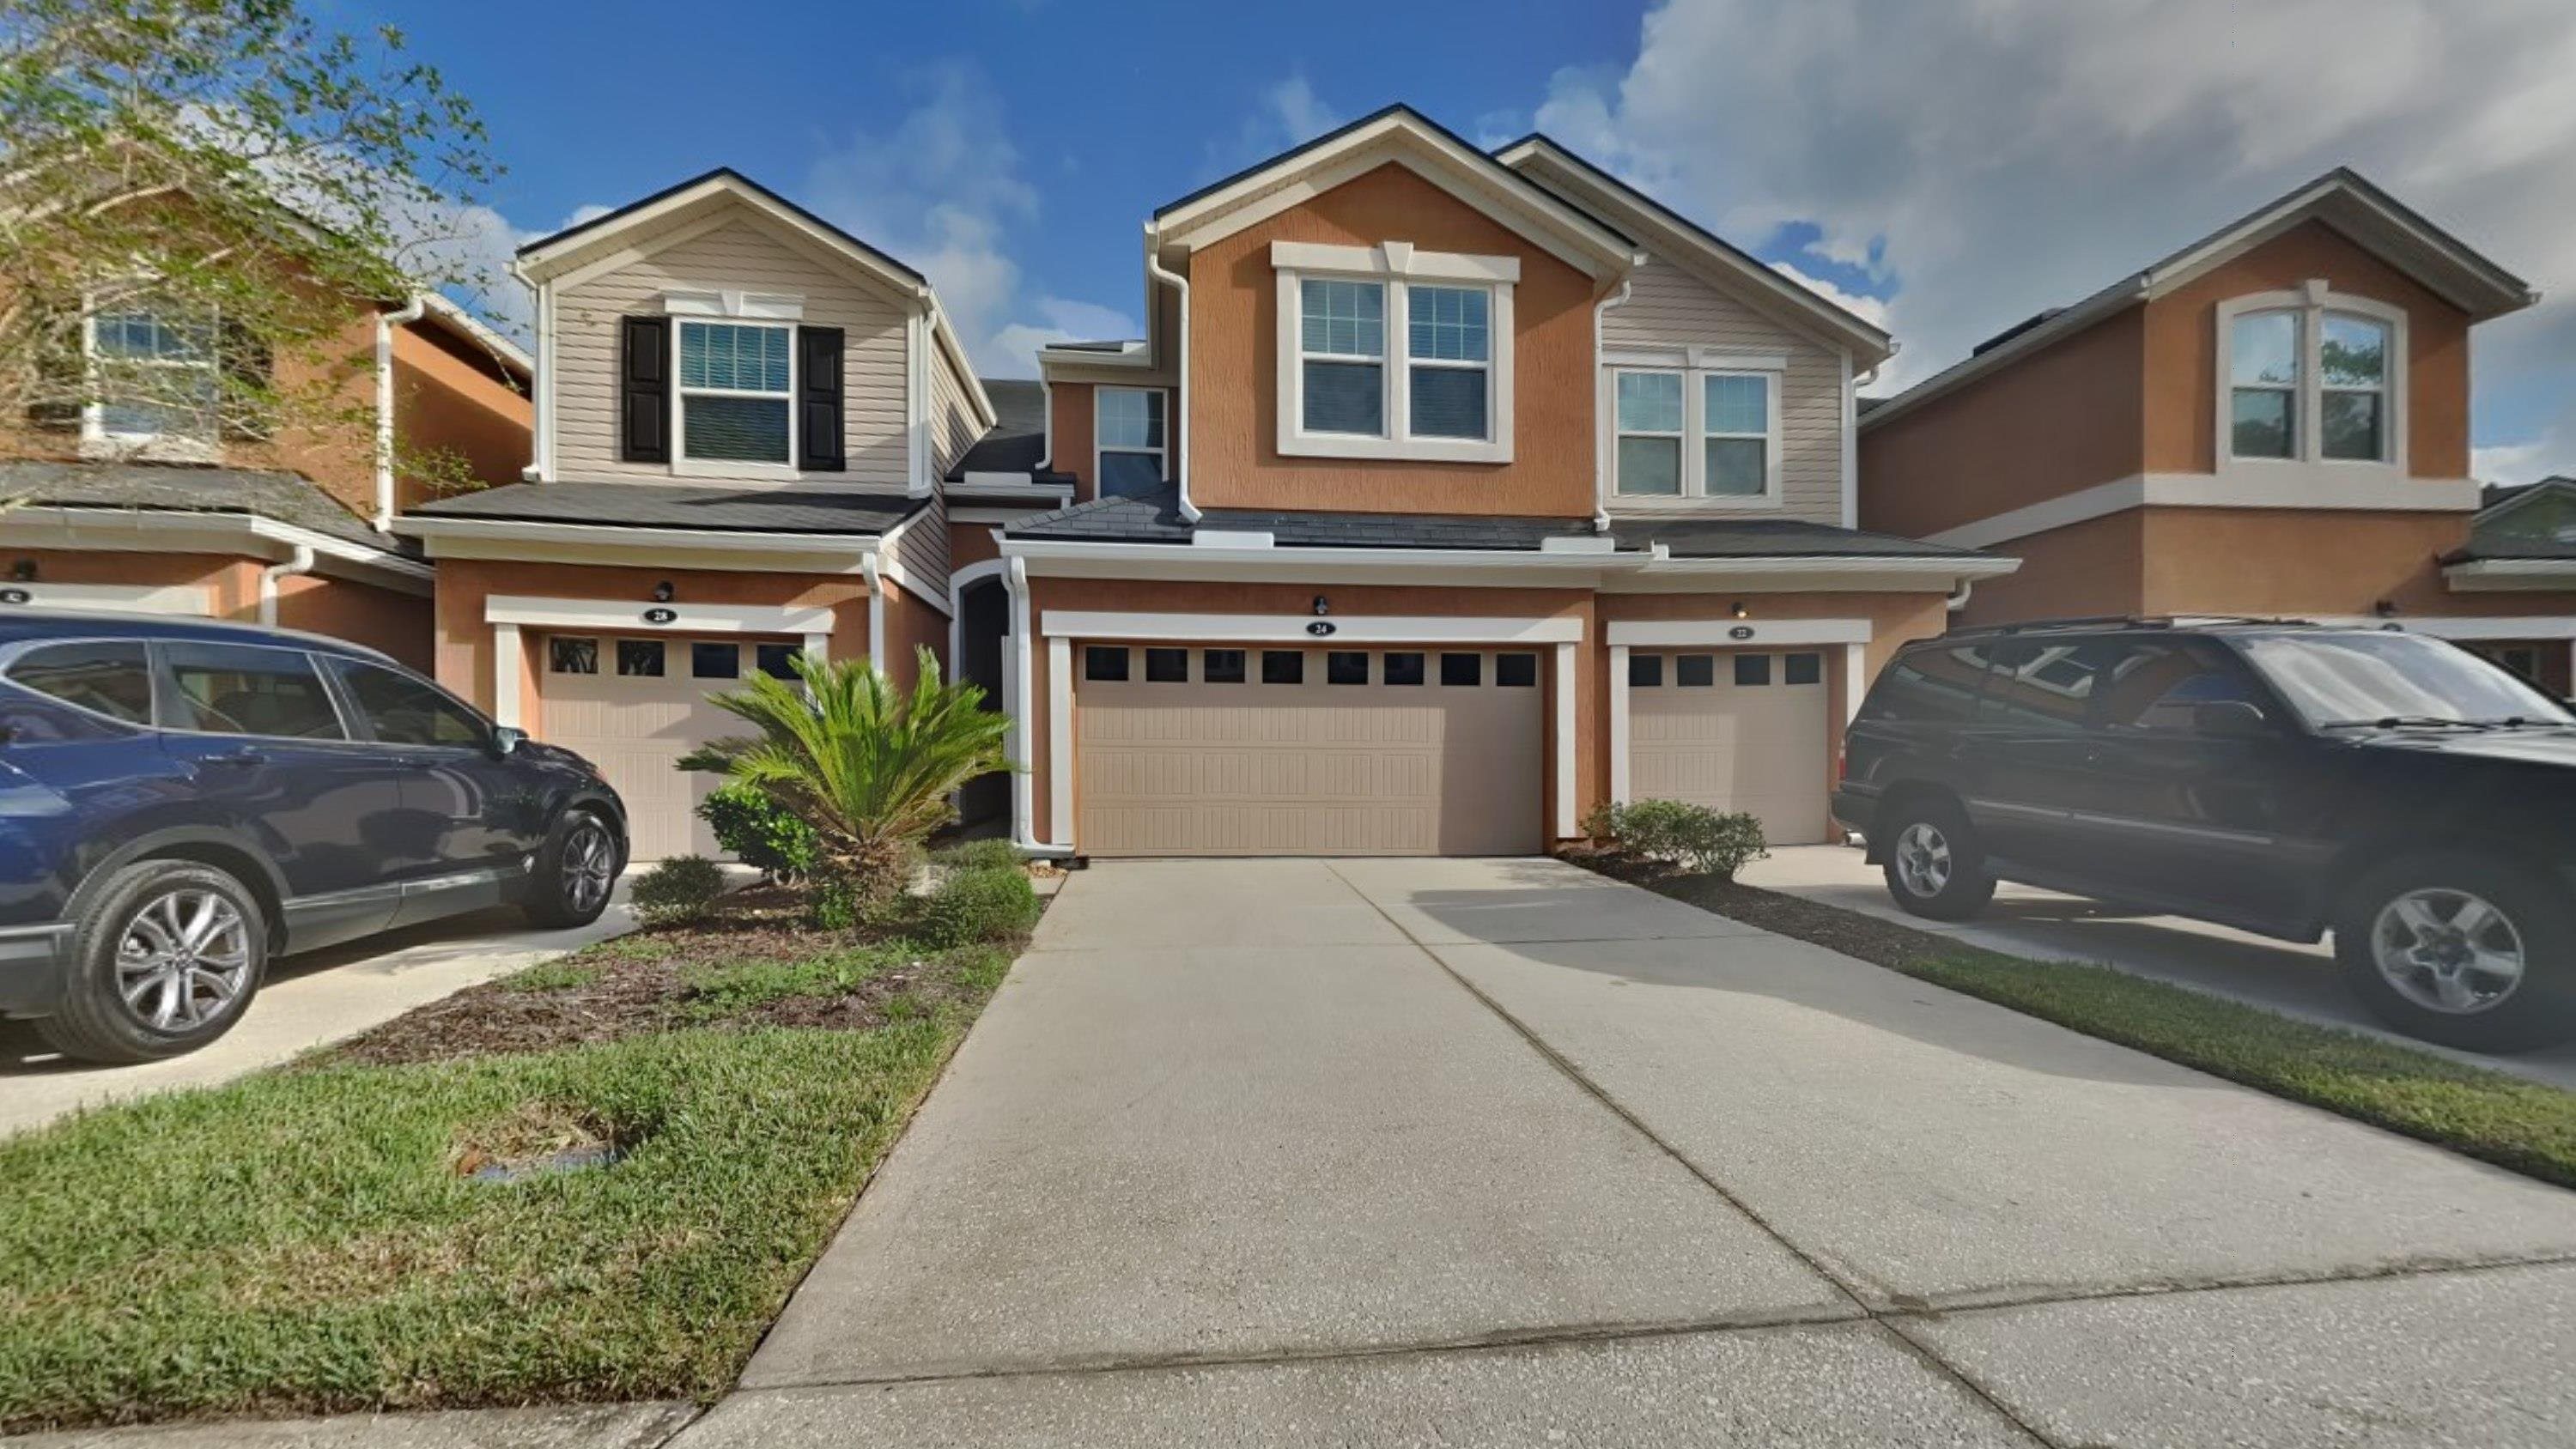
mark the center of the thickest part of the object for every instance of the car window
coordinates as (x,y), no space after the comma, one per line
(1928,686)
(2039,686)
(112,677)
(401,710)
(242,689)
(2155,687)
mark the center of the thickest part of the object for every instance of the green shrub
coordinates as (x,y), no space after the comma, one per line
(1601,822)
(976,905)
(1707,841)
(679,889)
(759,831)
(979,855)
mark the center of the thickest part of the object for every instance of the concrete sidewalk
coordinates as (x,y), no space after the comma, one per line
(1398,1152)
(2284,976)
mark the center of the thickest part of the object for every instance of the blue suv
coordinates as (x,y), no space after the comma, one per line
(182,802)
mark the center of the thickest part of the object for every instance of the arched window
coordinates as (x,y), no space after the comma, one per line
(2311,377)
(2352,378)
(2265,349)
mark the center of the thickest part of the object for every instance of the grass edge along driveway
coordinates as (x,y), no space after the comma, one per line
(2526,1126)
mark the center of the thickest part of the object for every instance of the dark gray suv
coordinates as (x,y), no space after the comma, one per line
(2288,779)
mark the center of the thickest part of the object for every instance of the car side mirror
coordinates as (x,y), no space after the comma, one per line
(2236,719)
(506,740)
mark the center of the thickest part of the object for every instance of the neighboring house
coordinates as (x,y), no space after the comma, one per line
(2524,542)
(136,505)
(744,417)
(2271,421)
(1451,495)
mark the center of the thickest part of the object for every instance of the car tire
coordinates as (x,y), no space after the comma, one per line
(576,871)
(2423,939)
(1934,866)
(165,957)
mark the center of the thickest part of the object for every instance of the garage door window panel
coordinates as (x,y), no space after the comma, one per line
(1346,666)
(639,658)
(566,655)
(1104,665)
(778,661)
(1221,666)
(1516,671)
(1463,670)
(1803,668)
(1283,666)
(1404,668)
(1167,666)
(1695,671)
(1752,670)
(715,661)
(1645,671)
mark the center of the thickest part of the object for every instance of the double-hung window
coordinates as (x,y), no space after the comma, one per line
(155,378)
(737,400)
(1388,352)
(1695,433)
(1130,432)
(2309,376)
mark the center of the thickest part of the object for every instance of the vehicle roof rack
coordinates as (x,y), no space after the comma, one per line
(2127,621)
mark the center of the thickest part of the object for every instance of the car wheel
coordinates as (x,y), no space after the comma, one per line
(165,959)
(1934,866)
(576,871)
(2461,949)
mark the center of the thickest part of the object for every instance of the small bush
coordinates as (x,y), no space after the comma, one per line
(979,855)
(976,905)
(1601,822)
(679,889)
(759,831)
(1707,841)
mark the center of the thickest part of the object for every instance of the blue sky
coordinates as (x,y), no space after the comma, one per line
(1946,168)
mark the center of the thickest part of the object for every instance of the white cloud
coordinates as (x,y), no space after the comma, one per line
(1868,309)
(2018,154)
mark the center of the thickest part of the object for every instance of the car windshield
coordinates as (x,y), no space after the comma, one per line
(2342,680)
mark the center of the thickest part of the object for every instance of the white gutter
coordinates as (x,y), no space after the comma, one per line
(1601,435)
(1181,394)
(1046,427)
(1959,599)
(300,561)
(1015,578)
(386,322)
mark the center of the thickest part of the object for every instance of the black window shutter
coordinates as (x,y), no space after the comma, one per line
(644,390)
(818,400)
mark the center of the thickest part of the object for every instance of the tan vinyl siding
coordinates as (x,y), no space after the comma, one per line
(922,548)
(1671,307)
(953,428)
(740,254)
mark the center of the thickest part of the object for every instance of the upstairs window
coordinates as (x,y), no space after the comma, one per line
(2312,377)
(1693,433)
(1650,434)
(736,393)
(156,378)
(1450,342)
(1129,424)
(1392,353)
(1341,356)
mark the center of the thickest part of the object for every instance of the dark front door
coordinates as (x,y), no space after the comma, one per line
(983,624)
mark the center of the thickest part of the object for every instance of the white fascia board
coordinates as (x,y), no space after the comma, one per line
(1193,557)
(1133,352)
(1303,628)
(629,615)
(1856,574)
(1687,633)
(2495,575)
(2460,626)
(132,530)
(2339,487)
(1232,538)
(1392,259)
(530,531)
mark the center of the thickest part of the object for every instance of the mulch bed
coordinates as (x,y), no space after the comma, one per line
(648,982)
(1882,943)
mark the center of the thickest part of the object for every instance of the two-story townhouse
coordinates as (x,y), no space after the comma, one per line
(2270,421)
(1451,494)
(744,416)
(133,503)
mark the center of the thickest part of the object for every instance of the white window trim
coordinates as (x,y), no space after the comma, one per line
(734,304)
(684,466)
(1392,266)
(1695,435)
(1162,456)
(2310,303)
(98,440)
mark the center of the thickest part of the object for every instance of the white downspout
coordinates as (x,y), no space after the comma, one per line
(1959,599)
(386,322)
(1610,397)
(868,564)
(1181,395)
(1046,425)
(1015,578)
(298,562)
(541,413)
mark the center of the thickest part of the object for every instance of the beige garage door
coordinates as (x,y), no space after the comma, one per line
(1733,731)
(633,707)
(1307,751)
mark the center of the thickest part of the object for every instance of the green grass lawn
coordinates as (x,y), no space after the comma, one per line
(311,1239)
(2526,1126)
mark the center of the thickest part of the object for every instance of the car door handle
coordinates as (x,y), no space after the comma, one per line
(242,758)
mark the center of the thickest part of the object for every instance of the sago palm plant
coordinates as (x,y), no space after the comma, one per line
(867,767)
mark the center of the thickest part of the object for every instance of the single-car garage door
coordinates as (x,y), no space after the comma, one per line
(1307,751)
(1732,731)
(633,707)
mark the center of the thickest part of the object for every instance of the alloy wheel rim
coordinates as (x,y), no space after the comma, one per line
(2448,950)
(183,960)
(586,867)
(1923,858)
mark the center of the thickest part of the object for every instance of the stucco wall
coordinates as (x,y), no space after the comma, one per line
(397,623)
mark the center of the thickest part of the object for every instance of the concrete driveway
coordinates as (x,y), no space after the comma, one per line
(2283,976)
(1487,1152)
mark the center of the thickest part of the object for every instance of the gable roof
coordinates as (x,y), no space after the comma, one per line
(1408,138)
(2342,198)
(1844,325)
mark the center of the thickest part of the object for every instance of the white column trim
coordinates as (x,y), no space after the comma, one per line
(1060,740)
(1618,723)
(818,647)
(1855,679)
(509,662)
(1018,671)
(1565,716)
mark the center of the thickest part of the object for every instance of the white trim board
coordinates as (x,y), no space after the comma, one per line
(2280,485)
(185,599)
(1299,628)
(2470,626)
(2505,575)
(1734,633)
(627,616)
(172,530)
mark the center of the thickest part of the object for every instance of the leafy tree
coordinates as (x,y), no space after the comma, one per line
(228,168)
(868,768)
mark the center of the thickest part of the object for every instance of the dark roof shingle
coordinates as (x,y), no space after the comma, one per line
(283,497)
(717,507)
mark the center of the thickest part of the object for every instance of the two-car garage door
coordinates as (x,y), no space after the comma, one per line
(1196,751)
